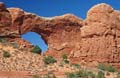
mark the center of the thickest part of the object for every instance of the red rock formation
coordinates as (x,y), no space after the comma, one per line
(94,39)
(5,20)
(99,35)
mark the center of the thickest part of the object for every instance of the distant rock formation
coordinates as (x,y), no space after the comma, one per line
(97,38)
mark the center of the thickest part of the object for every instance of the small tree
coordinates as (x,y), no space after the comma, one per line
(36,49)
(49,60)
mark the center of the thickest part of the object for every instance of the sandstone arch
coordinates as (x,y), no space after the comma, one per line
(97,38)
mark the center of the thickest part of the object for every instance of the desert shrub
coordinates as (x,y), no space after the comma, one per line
(65,59)
(36,76)
(64,56)
(36,49)
(63,62)
(86,74)
(100,74)
(75,65)
(91,74)
(2,40)
(101,66)
(6,54)
(70,75)
(108,68)
(80,74)
(49,60)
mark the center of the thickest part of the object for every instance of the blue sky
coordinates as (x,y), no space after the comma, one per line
(49,8)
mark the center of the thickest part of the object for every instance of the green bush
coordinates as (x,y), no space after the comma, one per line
(75,65)
(36,49)
(100,74)
(101,66)
(70,75)
(91,74)
(80,74)
(6,54)
(49,60)
(108,68)
(65,60)
(64,56)
(2,40)
(86,74)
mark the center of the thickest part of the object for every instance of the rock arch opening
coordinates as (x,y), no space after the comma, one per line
(35,39)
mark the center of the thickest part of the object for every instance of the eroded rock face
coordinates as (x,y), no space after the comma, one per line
(99,35)
(5,20)
(97,38)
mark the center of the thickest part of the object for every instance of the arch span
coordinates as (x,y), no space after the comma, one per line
(35,39)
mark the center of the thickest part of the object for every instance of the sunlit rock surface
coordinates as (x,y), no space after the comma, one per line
(97,38)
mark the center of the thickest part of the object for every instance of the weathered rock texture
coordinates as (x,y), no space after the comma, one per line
(97,38)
